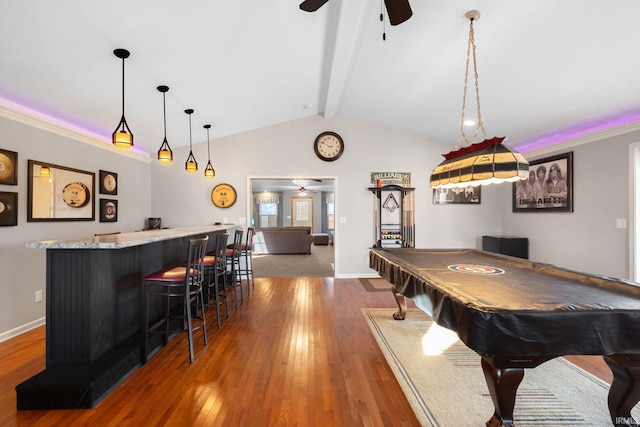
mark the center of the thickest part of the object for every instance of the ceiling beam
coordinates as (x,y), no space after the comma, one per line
(343,39)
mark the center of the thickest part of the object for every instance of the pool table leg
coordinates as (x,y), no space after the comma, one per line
(625,387)
(503,375)
(402,304)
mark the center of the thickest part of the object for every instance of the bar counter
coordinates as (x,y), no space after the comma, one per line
(94,307)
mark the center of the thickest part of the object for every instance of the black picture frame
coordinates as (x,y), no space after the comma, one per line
(108,183)
(60,194)
(8,209)
(108,210)
(8,167)
(459,196)
(543,193)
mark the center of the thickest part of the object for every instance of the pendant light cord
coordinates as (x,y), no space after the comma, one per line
(123,89)
(164,112)
(208,146)
(471,50)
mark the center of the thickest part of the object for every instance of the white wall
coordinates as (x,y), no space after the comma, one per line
(586,239)
(287,150)
(22,270)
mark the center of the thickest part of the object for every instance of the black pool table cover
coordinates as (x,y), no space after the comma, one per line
(530,309)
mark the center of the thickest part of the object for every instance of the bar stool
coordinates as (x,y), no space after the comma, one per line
(215,267)
(233,265)
(246,253)
(184,282)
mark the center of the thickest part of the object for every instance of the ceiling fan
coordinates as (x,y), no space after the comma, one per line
(304,191)
(398,10)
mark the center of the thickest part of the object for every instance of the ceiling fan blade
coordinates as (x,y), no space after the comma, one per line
(398,11)
(312,5)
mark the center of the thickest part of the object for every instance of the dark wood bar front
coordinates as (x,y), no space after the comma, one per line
(94,312)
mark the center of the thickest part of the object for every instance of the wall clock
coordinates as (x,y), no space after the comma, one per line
(328,146)
(108,182)
(223,195)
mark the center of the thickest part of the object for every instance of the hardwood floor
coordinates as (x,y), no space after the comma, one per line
(296,352)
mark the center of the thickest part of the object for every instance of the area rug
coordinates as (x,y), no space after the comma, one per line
(375,285)
(448,389)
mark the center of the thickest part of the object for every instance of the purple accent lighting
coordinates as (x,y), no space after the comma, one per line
(575,132)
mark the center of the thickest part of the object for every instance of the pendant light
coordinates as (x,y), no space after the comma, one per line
(165,155)
(191,165)
(122,136)
(486,162)
(209,172)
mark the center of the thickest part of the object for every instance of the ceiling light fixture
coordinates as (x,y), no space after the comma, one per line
(486,162)
(122,136)
(165,155)
(209,171)
(45,171)
(191,165)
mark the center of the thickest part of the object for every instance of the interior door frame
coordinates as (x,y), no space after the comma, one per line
(336,207)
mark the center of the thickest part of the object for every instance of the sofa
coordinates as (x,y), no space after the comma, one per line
(283,240)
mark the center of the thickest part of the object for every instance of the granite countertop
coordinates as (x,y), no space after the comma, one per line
(125,240)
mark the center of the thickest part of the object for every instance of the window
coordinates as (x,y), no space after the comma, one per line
(268,215)
(331,217)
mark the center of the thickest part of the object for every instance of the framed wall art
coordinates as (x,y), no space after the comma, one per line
(549,187)
(108,183)
(59,193)
(8,209)
(108,210)
(8,167)
(468,195)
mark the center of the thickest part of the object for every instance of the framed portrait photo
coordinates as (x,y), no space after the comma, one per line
(108,210)
(468,195)
(8,209)
(108,183)
(8,167)
(549,187)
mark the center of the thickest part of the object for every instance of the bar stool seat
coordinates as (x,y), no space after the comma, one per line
(184,283)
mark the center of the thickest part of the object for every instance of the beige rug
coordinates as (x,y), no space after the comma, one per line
(375,285)
(448,389)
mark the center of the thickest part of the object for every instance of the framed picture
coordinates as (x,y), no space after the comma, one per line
(108,210)
(8,209)
(467,195)
(108,183)
(59,193)
(302,210)
(549,187)
(8,167)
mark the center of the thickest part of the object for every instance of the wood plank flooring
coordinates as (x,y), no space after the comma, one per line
(296,352)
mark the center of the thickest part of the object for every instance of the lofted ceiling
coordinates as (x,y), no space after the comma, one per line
(548,69)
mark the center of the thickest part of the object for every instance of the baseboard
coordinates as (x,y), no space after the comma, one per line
(358,276)
(22,329)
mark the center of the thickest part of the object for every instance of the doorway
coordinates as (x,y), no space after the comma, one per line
(295,202)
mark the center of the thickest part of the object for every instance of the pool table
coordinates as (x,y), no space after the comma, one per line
(518,314)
